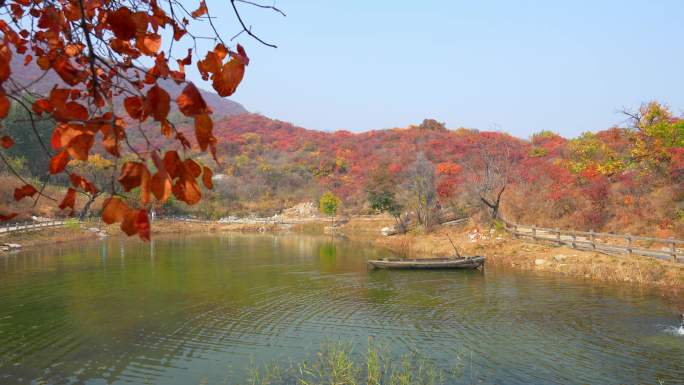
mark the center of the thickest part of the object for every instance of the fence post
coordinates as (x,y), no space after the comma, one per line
(558,236)
(515,230)
(629,244)
(534,233)
(592,238)
(574,240)
(673,250)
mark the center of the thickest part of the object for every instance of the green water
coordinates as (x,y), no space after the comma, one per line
(202,309)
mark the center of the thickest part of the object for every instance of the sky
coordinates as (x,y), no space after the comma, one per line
(514,66)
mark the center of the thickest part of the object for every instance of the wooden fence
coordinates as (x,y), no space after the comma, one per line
(19,227)
(605,242)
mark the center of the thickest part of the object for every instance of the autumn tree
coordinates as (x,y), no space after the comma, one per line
(328,204)
(114,60)
(381,192)
(491,166)
(420,182)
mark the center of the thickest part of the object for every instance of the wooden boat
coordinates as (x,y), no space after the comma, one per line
(467,263)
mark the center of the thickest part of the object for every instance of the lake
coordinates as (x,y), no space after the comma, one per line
(203,309)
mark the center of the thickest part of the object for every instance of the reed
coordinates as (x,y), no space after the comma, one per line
(338,364)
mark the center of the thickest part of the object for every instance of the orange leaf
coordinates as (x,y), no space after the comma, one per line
(134,107)
(112,135)
(148,43)
(80,145)
(161,186)
(5,60)
(201,11)
(67,71)
(79,181)
(190,101)
(71,111)
(172,164)
(132,175)
(69,200)
(24,191)
(242,55)
(114,210)
(58,162)
(192,169)
(6,142)
(203,130)
(226,81)
(206,178)
(128,225)
(187,191)
(142,224)
(145,187)
(158,103)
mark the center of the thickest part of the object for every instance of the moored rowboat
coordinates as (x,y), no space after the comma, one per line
(432,263)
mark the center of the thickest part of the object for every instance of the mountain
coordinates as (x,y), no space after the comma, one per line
(42,82)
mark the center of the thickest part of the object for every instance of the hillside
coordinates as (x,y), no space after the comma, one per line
(626,179)
(629,179)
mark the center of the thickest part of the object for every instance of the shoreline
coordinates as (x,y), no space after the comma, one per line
(501,249)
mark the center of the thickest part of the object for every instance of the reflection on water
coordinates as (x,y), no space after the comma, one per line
(199,309)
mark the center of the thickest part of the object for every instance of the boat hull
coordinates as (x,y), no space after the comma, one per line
(445,263)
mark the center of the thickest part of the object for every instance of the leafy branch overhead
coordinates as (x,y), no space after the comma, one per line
(107,54)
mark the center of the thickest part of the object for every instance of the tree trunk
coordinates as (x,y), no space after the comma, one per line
(86,207)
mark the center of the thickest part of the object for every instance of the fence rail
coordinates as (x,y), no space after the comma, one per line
(19,227)
(605,242)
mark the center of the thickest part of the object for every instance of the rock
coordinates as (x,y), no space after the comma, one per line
(93,229)
(13,245)
(539,262)
(560,257)
(387,231)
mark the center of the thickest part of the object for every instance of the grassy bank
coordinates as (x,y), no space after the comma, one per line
(503,250)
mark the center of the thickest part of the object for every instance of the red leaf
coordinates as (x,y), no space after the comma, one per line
(201,11)
(67,71)
(203,131)
(158,103)
(122,23)
(69,200)
(206,178)
(7,217)
(242,55)
(132,175)
(160,186)
(6,142)
(24,191)
(59,162)
(190,101)
(226,81)
(134,107)
(4,105)
(80,145)
(142,224)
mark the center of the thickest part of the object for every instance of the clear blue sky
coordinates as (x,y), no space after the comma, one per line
(516,66)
